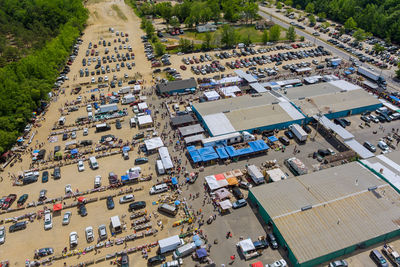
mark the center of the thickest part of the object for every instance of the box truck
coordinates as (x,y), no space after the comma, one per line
(300,134)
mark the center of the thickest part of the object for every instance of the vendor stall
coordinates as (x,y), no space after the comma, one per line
(247,248)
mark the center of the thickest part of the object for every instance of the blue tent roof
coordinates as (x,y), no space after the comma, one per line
(174,180)
(194,154)
(124,178)
(198,243)
(258,145)
(347,72)
(272,138)
(191,148)
(208,153)
(201,252)
(394,98)
(351,69)
(74,151)
(126,148)
(222,153)
(196,237)
(177,202)
(334,63)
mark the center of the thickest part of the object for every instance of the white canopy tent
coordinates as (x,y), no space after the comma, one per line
(153,143)
(165,158)
(211,95)
(213,184)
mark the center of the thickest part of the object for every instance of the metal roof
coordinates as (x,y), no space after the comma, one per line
(248,77)
(336,102)
(183,119)
(176,85)
(345,210)
(258,87)
(191,129)
(309,90)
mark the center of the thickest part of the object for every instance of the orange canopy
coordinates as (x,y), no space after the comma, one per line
(57,207)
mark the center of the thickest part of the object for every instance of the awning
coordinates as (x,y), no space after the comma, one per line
(57,207)
(272,138)
(257,264)
(81,199)
(222,193)
(174,180)
(126,148)
(246,245)
(232,181)
(201,253)
(225,205)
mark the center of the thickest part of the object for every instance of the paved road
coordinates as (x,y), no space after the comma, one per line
(265,14)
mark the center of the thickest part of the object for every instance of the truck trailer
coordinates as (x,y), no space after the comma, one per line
(300,134)
(371,75)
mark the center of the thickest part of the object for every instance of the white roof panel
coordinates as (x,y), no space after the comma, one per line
(165,158)
(146,119)
(218,124)
(359,149)
(153,143)
(343,133)
(258,87)
(291,110)
(344,85)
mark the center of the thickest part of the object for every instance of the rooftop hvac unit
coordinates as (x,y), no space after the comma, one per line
(308,207)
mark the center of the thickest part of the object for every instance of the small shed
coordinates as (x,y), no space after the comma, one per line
(206,28)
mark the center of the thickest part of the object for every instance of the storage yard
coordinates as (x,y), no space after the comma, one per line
(294,166)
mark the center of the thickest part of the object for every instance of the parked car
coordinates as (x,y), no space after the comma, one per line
(68,189)
(82,210)
(377,257)
(239,204)
(382,145)
(156,260)
(245,185)
(66,218)
(237,193)
(110,203)
(45,177)
(9,201)
(2,234)
(141,161)
(22,199)
(124,262)
(285,141)
(260,244)
(102,232)
(137,205)
(118,124)
(73,239)
(48,220)
(289,134)
(42,195)
(272,241)
(18,226)
(338,263)
(306,129)
(81,167)
(89,234)
(57,173)
(369,146)
(126,199)
(43,252)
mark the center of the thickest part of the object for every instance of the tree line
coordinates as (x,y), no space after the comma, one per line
(192,13)
(381,18)
(24,83)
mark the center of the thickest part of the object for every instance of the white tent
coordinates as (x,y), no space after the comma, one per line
(153,143)
(145,120)
(213,184)
(142,106)
(246,245)
(211,95)
(136,88)
(165,158)
(230,91)
(225,205)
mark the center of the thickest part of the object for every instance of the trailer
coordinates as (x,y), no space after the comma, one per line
(125,90)
(392,254)
(128,99)
(296,166)
(371,75)
(170,243)
(255,174)
(300,134)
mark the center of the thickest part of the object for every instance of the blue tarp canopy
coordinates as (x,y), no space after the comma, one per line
(222,153)
(394,98)
(272,138)
(198,243)
(126,148)
(174,180)
(351,69)
(201,252)
(240,152)
(124,178)
(74,151)
(196,237)
(207,153)
(148,111)
(194,154)
(191,148)
(347,72)
(259,145)
(177,202)
(334,63)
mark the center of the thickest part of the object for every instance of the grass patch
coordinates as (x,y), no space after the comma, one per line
(120,14)
(243,32)
(93,1)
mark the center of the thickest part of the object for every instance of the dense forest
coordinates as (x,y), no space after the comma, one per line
(48,28)
(380,17)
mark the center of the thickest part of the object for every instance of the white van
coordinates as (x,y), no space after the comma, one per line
(93,163)
(176,107)
(97,181)
(159,189)
(160,167)
(61,121)
(116,224)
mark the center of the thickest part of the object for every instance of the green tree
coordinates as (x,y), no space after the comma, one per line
(247,40)
(322,15)
(174,22)
(250,11)
(289,2)
(206,45)
(312,19)
(359,35)
(265,37)
(310,8)
(398,71)
(279,5)
(350,24)
(149,29)
(159,49)
(185,45)
(302,38)
(274,33)
(228,36)
(291,34)
(298,6)
(378,48)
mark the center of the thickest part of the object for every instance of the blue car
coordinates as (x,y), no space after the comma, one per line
(239,204)
(110,203)
(45,177)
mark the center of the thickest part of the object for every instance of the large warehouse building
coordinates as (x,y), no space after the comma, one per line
(246,113)
(280,108)
(330,213)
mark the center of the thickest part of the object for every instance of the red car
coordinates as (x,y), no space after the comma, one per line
(183,67)
(8,201)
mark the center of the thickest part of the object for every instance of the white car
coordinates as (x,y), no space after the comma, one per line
(81,167)
(2,234)
(89,234)
(382,145)
(89,108)
(279,263)
(68,189)
(93,80)
(73,135)
(106,78)
(67,218)
(73,239)
(126,199)
(48,220)
(102,232)
(85,131)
